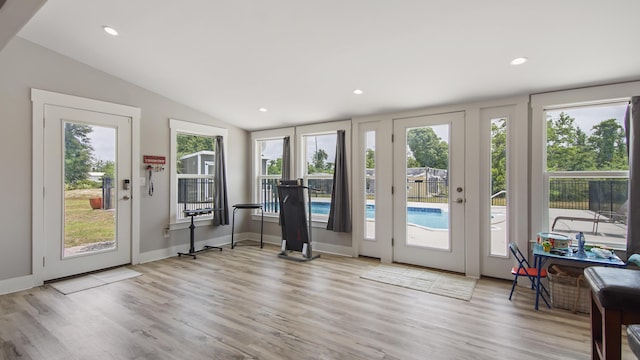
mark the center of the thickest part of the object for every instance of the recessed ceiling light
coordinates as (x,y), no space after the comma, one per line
(109,30)
(358,92)
(263,109)
(518,61)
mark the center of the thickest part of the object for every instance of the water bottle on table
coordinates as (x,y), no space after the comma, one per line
(581,241)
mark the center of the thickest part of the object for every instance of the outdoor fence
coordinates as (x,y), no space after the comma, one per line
(588,194)
(577,194)
(194,193)
(320,188)
(428,191)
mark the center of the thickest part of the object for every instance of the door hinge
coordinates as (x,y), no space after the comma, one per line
(43,261)
(392,242)
(392,190)
(391,137)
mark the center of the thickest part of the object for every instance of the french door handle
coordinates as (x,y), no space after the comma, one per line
(459,200)
(126,197)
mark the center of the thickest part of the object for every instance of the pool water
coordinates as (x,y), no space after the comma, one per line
(428,217)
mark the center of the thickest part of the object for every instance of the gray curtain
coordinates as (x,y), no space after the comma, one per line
(340,213)
(220,201)
(286,158)
(632,125)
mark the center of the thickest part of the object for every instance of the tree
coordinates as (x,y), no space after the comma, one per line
(498,155)
(567,148)
(607,142)
(274,167)
(371,159)
(77,152)
(107,167)
(428,148)
(189,144)
(412,162)
(318,164)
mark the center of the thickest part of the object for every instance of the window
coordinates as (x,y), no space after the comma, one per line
(317,151)
(370,185)
(267,168)
(578,163)
(319,154)
(270,170)
(499,183)
(192,167)
(587,171)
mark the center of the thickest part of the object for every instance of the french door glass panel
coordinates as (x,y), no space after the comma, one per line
(429,191)
(499,181)
(89,196)
(370,185)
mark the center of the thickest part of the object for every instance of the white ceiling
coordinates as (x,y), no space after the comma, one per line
(302,59)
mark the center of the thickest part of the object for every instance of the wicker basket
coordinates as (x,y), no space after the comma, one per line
(569,290)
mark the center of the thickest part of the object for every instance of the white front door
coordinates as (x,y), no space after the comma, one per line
(87,180)
(429,191)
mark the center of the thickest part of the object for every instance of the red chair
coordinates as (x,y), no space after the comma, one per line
(524,269)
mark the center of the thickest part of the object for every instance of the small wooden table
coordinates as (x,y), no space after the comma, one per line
(192,227)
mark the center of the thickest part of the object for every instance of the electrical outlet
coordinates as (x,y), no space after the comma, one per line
(166,233)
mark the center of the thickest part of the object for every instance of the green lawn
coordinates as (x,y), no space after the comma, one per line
(84,225)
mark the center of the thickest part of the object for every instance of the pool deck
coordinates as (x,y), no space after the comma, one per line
(613,235)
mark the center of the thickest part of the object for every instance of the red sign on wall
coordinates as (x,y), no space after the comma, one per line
(151,159)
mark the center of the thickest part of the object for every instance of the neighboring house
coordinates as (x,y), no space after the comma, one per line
(95,176)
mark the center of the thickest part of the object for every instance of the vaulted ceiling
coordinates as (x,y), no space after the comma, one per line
(302,59)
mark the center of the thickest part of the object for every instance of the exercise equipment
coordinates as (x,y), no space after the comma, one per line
(295,219)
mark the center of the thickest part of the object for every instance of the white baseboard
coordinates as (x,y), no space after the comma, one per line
(160,254)
(316,246)
(16,284)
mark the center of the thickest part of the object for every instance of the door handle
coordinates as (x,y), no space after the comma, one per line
(459,200)
(126,197)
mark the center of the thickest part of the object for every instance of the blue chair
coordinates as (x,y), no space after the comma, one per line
(525,269)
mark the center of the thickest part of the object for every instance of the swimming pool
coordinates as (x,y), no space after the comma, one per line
(428,217)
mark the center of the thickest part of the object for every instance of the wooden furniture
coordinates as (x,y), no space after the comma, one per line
(192,251)
(615,294)
(237,207)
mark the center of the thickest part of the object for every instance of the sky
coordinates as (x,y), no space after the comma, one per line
(103,142)
(588,116)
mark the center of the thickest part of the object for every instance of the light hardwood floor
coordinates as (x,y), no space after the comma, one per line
(247,303)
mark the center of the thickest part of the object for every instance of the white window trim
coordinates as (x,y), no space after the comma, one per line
(540,103)
(185,127)
(274,134)
(300,162)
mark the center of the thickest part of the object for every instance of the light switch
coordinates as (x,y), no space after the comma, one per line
(143,181)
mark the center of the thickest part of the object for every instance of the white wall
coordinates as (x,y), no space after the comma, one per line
(24,65)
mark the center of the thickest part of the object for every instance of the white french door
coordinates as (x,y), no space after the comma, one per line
(87,181)
(429,192)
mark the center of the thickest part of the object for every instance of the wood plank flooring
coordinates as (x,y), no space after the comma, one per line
(247,303)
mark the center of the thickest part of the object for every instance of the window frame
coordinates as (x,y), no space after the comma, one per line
(185,127)
(256,136)
(301,165)
(540,104)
